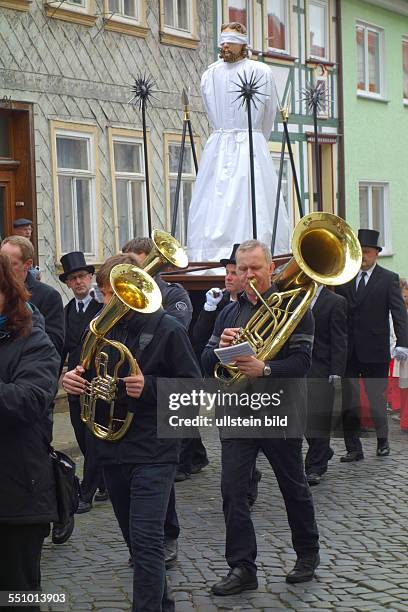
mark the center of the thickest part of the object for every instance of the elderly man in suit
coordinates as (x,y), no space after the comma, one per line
(328,364)
(371,296)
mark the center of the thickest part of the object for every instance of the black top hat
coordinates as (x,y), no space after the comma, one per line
(231,259)
(369,238)
(72,262)
(22,222)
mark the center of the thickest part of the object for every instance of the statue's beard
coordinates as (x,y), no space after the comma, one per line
(230,57)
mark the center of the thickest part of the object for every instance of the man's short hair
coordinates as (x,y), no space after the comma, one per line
(103,274)
(138,246)
(234,25)
(249,245)
(24,244)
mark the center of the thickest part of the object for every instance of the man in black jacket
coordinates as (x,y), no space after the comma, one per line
(79,312)
(371,296)
(139,468)
(45,298)
(254,263)
(328,365)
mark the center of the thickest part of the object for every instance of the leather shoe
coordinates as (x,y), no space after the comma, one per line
(170,552)
(180,476)
(239,579)
(101,496)
(62,533)
(383,450)
(304,569)
(313,479)
(352,456)
(197,467)
(84,506)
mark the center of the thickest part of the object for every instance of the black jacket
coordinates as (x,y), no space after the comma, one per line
(204,325)
(329,354)
(28,381)
(368,318)
(73,337)
(176,301)
(168,355)
(49,303)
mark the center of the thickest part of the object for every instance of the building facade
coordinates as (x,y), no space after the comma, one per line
(71,148)
(375,62)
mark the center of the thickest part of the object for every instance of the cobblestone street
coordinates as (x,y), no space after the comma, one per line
(362,513)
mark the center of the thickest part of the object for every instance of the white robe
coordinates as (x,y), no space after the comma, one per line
(220,212)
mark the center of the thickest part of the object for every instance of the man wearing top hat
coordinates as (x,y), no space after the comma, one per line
(79,312)
(371,296)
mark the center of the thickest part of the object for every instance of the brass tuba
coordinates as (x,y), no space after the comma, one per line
(134,289)
(325,251)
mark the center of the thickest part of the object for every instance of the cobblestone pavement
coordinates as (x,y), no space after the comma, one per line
(362,513)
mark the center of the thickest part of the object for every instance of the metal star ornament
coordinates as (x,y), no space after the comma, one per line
(249,89)
(315,97)
(142,90)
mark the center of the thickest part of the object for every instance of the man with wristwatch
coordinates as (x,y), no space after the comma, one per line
(254,263)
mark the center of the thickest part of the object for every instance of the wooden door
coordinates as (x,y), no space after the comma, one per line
(7,203)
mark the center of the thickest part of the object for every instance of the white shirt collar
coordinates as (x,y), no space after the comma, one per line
(86,301)
(318,292)
(367,273)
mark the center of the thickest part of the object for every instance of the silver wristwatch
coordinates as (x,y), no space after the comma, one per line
(267,370)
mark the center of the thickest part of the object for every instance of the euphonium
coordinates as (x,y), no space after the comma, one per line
(134,289)
(325,251)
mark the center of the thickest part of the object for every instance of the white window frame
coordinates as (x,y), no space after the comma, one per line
(366,93)
(404,42)
(387,246)
(137,139)
(174,29)
(326,5)
(89,134)
(86,7)
(120,14)
(288,29)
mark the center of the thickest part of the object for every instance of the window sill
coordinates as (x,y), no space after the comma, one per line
(369,96)
(177,40)
(405,101)
(385,253)
(17,5)
(314,61)
(52,10)
(273,56)
(126,27)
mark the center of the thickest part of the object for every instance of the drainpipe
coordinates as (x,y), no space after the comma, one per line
(340,106)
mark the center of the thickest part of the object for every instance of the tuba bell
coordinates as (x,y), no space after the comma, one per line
(325,251)
(134,289)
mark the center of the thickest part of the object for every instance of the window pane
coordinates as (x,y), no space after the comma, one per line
(76,2)
(127,157)
(123,212)
(169,13)
(360,57)
(72,153)
(174,159)
(317,26)
(66,215)
(277,24)
(377,199)
(363,199)
(4,136)
(130,8)
(138,209)
(84,217)
(374,61)
(182,15)
(405,66)
(114,6)
(187,194)
(237,11)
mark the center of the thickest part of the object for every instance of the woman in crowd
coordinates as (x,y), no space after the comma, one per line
(29,367)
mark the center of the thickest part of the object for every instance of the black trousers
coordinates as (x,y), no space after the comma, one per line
(375,383)
(171,523)
(285,458)
(93,475)
(21,547)
(320,398)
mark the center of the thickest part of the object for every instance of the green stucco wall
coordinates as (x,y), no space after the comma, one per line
(375,132)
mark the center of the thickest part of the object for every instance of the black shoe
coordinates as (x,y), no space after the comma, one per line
(383,450)
(304,569)
(101,496)
(239,579)
(180,476)
(197,467)
(84,506)
(313,479)
(170,552)
(352,456)
(62,533)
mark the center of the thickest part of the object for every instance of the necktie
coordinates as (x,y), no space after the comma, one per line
(80,307)
(361,285)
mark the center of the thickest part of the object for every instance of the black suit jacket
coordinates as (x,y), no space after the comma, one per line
(49,303)
(73,338)
(330,338)
(368,317)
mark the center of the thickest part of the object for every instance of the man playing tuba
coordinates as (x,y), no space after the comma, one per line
(139,468)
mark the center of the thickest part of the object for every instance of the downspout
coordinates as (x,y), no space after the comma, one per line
(340,106)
